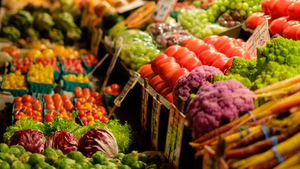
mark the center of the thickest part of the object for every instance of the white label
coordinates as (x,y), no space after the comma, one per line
(129,85)
(174,136)
(144,106)
(259,38)
(155,114)
(163,9)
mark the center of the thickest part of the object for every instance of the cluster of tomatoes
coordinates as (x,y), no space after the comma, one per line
(49,117)
(27,108)
(90,60)
(72,65)
(89,106)
(113,89)
(48,61)
(58,102)
(22,64)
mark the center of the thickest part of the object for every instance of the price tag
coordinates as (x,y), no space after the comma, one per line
(174,136)
(144,104)
(155,114)
(163,10)
(259,38)
(212,161)
(129,85)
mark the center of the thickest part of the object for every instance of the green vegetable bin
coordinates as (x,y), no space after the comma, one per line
(40,87)
(69,85)
(14,92)
(87,68)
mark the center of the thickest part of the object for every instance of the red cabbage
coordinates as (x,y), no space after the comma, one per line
(31,140)
(63,141)
(98,140)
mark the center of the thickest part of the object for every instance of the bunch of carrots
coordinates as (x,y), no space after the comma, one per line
(267,137)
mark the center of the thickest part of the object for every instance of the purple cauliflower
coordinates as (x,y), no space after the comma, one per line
(193,80)
(217,104)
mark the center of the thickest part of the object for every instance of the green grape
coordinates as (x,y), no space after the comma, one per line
(259,8)
(204,20)
(239,5)
(211,18)
(242,12)
(238,1)
(225,3)
(249,12)
(215,7)
(232,5)
(255,8)
(245,6)
(222,8)
(216,13)
(250,3)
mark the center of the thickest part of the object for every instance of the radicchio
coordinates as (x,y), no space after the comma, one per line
(62,140)
(98,140)
(32,140)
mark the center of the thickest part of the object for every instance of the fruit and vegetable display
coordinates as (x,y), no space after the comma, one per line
(55,26)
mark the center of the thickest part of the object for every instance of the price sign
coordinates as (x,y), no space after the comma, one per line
(155,114)
(259,38)
(211,160)
(144,104)
(129,85)
(163,10)
(174,136)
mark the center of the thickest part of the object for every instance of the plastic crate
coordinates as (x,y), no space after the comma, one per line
(14,92)
(40,87)
(69,85)
(86,67)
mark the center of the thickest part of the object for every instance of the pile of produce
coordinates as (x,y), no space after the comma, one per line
(15,81)
(23,24)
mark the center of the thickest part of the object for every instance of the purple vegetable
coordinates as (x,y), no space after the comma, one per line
(31,140)
(98,140)
(217,104)
(63,141)
(193,80)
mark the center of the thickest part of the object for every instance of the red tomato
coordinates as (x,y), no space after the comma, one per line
(155,67)
(276,26)
(69,107)
(18,99)
(181,51)
(165,68)
(242,53)
(226,46)
(253,20)
(175,76)
(86,91)
(169,97)
(26,98)
(158,58)
(221,41)
(56,97)
(65,97)
(293,10)
(213,57)
(58,103)
(91,100)
(168,76)
(70,115)
(170,51)
(146,71)
(298,34)
(82,100)
(194,45)
(221,63)
(37,107)
(96,95)
(49,119)
(17,117)
(50,106)
(155,81)
(161,86)
(48,98)
(203,48)
(212,37)
(192,39)
(192,63)
(229,52)
(108,90)
(90,118)
(189,54)
(61,108)
(278,8)
(28,104)
(35,101)
(18,104)
(77,103)
(290,30)
(116,87)
(166,91)
(202,57)
(77,92)
(81,113)
(264,6)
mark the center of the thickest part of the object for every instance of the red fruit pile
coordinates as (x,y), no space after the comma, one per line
(72,65)
(113,89)
(90,60)
(27,108)
(57,102)
(22,64)
(48,61)
(52,113)
(86,96)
